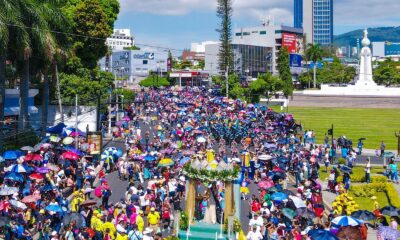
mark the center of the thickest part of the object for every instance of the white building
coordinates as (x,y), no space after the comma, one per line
(200,47)
(120,38)
(255,49)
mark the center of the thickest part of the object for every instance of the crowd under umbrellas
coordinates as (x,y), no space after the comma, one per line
(169,129)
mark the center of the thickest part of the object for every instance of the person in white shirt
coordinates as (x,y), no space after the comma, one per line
(256,221)
(254,234)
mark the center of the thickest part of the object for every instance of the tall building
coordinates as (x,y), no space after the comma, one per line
(316,19)
(120,38)
(298,13)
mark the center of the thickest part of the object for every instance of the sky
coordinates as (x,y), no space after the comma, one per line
(177,23)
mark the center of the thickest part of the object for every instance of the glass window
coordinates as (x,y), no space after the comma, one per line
(263,32)
(246,33)
(145,61)
(238,34)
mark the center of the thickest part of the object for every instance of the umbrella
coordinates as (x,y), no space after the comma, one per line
(55,139)
(344,221)
(74,217)
(119,123)
(36,176)
(47,188)
(184,160)
(2,159)
(363,215)
(126,118)
(13,176)
(346,169)
(18,204)
(349,233)
(5,191)
(149,158)
(68,140)
(306,213)
(88,203)
(264,157)
(33,157)
(188,152)
(390,211)
(74,150)
(201,140)
(18,168)
(279,196)
(320,234)
(10,155)
(54,208)
(387,233)
(298,202)
(266,184)
(289,213)
(42,170)
(27,148)
(166,162)
(30,199)
(4,221)
(70,155)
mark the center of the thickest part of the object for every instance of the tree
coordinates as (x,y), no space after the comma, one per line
(92,27)
(314,53)
(283,66)
(132,48)
(224,13)
(154,81)
(387,73)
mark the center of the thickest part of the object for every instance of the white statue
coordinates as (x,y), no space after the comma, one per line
(365,75)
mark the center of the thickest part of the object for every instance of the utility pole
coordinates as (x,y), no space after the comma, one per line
(76,121)
(226,81)
(109,113)
(397,134)
(59,94)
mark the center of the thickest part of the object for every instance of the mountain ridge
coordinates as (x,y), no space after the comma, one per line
(379,34)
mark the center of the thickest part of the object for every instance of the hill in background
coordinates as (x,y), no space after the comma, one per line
(381,34)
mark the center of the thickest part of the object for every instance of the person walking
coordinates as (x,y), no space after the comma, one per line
(383,146)
(394,174)
(368,171)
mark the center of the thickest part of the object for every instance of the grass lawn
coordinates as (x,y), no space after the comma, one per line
(357,170)
(373,124)
(368,203)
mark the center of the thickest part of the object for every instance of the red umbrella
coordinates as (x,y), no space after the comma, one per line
(36,176)
(266,184)
(33,157)
(70,155)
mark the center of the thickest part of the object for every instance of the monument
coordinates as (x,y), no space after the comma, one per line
(365,85)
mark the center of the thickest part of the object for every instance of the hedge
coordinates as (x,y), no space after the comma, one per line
(368,190)
(152,81)
(355,178)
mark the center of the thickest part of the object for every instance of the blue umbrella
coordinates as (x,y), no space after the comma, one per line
(283,160)
(29,169)
(188,129)
(16,168)
(184,160)
(10,155)
(149,158)
(47,188)
(13,176)
(74,150)
(118,153)
(54,208)
(321,234)
(1,159)
(279,196)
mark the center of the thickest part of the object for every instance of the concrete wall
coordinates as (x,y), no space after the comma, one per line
(308,20)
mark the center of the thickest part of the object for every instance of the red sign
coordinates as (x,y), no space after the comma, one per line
(169,64)
(289,41)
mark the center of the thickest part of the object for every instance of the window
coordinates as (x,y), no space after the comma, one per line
(246,34)
(238,34)
(145,61)
(263,32)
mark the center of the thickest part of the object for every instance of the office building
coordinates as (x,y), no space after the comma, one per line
(316,19)
(119,39)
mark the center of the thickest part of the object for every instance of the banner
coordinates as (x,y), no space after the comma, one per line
(289,41)
(95,141)
(295,60)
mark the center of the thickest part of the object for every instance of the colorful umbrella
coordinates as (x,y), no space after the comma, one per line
(384,232)
(298,202)
(201,140)
(33,157)
(68,140)
(390,211)
(54,208)
(30,199)
(70,155)
(184,160)
(5,191)
(47,188)
(55,139)
(18,168)
(363,215)
(18,204)
(10,155)
(289,213)
(36,176)
(265,157)
(266,184)
(149,158)
(279,196)
(42,170)
(320,234)
(13,176)
(306,213)
(344,221)
(166,162)
(27,148)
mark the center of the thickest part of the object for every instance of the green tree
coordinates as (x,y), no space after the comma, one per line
(224,13)
(314,53)
(154,81)
(283,66)
(132,48)
(387,73)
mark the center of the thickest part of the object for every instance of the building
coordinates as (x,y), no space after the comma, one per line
(134,65)
(120,39)
(255,49)
(316,19)
(386,49)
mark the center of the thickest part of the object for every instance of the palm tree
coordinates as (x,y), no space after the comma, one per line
(314,53)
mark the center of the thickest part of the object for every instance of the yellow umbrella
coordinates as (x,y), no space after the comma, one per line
(166,162)
(68,140)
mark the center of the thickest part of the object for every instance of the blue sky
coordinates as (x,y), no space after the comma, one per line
(177,23)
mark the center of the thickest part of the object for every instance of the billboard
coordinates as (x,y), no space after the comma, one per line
(289,40)
(95,141)
(295,60)
(392,48)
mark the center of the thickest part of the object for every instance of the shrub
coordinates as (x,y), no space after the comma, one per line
(368,190)
(184,221)
(379,179)
(392,195)
(152,81)
(341,161)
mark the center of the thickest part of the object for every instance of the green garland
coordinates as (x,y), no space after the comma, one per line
(211,175)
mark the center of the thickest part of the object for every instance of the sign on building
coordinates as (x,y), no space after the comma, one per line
(289,40)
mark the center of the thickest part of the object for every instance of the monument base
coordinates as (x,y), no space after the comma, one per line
(355,90)
(203,231)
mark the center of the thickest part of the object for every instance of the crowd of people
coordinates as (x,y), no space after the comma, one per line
(56,191)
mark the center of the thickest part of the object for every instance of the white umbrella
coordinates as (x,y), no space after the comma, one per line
(68,140)
(18,204)
(201,140)
(16,168)
(264,157)
(5,191)
(297,202)
(27,148)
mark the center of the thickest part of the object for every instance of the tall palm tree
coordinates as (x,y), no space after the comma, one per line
(314,53)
